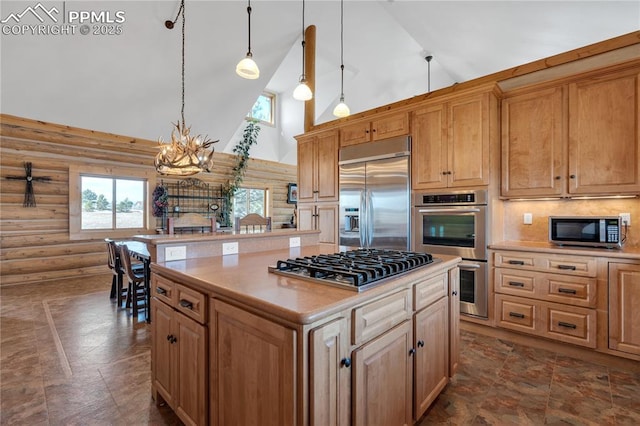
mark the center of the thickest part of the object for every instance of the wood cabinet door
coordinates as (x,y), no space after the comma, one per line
(326,168)
(604,134)
(353,134)
(383,379)
(162,370)
(191,367)
(431,340)
(327,223)
(624,315)
(390,126)
(454,321)
(306,169)
(534,144)
(429,148)
(468,141)
(330,375)
(306,216)
(254,367)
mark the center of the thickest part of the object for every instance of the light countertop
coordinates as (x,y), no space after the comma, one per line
(245,278)
(156,239)
(546,247)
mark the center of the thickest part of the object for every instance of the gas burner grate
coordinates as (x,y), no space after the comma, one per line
(354,268)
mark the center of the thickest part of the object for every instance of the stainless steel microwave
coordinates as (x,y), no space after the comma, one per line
(592,231)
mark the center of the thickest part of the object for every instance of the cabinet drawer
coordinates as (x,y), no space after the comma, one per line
(430,291)
(577,291)
(571,324)
(191,303)
(163,289)
(557,263)
(518,283)
(517,313)
(573,265)
(376,317)
(514,260)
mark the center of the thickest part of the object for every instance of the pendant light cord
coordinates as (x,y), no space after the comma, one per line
(183,32)
(249,19)
(341,50)
(304,77)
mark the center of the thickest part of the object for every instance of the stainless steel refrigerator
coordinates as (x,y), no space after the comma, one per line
(375,194)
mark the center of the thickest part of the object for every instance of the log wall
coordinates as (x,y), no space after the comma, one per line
(35,243)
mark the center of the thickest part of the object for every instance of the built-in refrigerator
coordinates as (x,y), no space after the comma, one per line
(375,194)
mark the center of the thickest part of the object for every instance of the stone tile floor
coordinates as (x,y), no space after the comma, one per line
(69,356)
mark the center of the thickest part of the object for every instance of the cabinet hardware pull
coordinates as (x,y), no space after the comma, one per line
(173,340)
(444,173)
(567,267)
(567,290)
(374,130)
(516,284)
(169,337)
(346,362)
(412,351)
(558,178)
(567,325)
(516,262)
(454,293)
(572,176)
(161,290)
(516,315)
(186,304)
(421,343)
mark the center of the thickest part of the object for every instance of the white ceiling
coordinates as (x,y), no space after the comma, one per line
(129,84)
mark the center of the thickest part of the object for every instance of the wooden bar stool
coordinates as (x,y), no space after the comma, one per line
(136,288)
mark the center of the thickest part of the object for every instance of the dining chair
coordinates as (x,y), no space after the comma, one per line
(113,262)
(135,277)
(253,221)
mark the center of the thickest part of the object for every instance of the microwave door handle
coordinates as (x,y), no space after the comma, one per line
(448,210)
(362,221)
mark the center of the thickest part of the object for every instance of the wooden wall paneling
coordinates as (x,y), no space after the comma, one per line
(34,242)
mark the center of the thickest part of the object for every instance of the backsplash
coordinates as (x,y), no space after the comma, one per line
(515,230)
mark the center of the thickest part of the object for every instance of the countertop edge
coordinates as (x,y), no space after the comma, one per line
(632,253)
(217,236)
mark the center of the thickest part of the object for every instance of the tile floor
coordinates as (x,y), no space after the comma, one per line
(69,356)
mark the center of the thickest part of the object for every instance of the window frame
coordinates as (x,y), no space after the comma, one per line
(267,199)
(75,201)
(272,122)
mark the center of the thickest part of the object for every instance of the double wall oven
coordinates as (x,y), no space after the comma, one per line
(455,223)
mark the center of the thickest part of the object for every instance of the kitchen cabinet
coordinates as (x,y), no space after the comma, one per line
(624,299)
(382,379)
(322,217)
(431,341)
(253,366)
(549,295)
(318,167)
(451,142)
(573,139)
(330,374)
(179,351)
(378,129)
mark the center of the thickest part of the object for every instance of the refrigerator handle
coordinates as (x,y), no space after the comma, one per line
(369,218)
(362,219)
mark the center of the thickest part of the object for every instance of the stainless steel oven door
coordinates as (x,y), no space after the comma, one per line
(473,288)
(455,230)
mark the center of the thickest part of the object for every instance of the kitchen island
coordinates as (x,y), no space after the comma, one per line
(235,344)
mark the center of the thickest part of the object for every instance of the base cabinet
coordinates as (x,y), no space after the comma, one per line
(322,217)
(624,315)
(179,362)
(382,379)
(253,369)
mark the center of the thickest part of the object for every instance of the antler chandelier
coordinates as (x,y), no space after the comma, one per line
(185,155)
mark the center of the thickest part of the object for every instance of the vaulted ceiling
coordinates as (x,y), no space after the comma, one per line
(129,83)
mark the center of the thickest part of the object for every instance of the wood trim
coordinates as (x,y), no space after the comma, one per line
(310,73)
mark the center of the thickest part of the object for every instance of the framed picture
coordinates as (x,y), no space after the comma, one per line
(292,193)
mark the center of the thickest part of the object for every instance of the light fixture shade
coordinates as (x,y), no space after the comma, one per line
(185,155)
(247,68)
(302,92)
(341,110)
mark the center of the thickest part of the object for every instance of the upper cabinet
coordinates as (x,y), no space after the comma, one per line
(381,128)
(318,167)
(451,142)
(577,138)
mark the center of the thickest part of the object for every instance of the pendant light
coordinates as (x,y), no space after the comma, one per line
(247,67)
(428,59)
(302,92)
(341,110)
(185,155)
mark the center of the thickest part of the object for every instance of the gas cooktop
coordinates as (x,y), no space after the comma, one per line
(355,270)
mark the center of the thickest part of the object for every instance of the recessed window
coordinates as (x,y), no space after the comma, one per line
(108,202)
(250,200)
(263,109)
